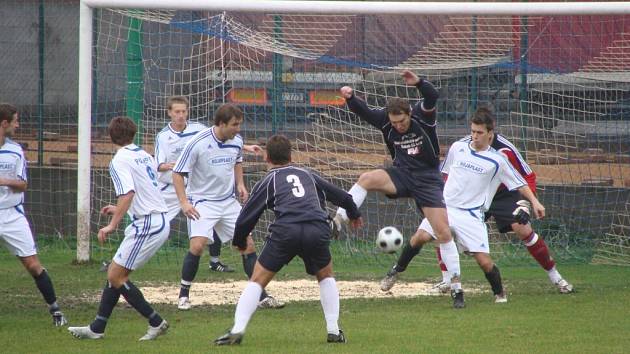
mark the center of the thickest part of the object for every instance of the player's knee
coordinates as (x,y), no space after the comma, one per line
(443,234)
(32,265)
(369,180)
(197,244)
(484,261)
(522,231)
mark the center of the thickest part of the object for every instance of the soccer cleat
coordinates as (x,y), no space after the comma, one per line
(154,332)
(270,302)
(220,267)
(59,319)
(564,287)
(500,298)
(84,333)
(229,339)
(458,299)
(390,279)
(336,338)
(443,287)
(183,304)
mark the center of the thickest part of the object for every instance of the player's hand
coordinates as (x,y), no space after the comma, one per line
(190,211)
(346,92)
(103,232)
(410,78)
(242,192)
(522,212)
(539,209)
(254,149)
(108,210)
(356,223)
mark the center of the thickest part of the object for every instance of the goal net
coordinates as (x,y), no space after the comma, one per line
(559,85)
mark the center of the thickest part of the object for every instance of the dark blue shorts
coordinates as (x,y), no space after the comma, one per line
(310,241)
(425,187)
(503,204)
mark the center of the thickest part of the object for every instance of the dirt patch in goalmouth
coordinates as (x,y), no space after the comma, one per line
(287,290)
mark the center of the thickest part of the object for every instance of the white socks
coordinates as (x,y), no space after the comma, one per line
(247,305)
(329,297)
(554,275)
(358,194)
(450,257)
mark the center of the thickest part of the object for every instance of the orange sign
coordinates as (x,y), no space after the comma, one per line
(247,95)
(326,98)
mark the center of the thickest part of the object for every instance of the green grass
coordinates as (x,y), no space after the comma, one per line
(536,320)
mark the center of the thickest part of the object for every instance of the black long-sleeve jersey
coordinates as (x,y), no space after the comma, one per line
(295,195)
(418,148)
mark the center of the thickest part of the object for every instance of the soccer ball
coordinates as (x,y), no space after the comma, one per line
(389,239)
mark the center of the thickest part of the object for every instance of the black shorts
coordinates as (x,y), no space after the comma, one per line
(503,204)
(310,241)
(425,187)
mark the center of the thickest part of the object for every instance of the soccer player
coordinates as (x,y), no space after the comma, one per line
(14,228)
(298,200)
(169,144)
(411,137)
(212,162)
(134,175)
(474,172)
(506,206)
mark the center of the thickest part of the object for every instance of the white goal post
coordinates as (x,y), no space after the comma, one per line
(270,6)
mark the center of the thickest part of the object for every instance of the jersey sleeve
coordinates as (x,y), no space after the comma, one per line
(121,177)
(376,117)
(337,196)
(239,157)
(508,175)
(161,152)
(425,109)
(20,167)
(448,161)
(251,212)
(518,162)
(187,158)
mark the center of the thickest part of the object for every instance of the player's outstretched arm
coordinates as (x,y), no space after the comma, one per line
(253,149)
(118,212)
(249,215)
(375,117)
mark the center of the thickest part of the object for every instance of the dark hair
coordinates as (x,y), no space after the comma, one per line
(279,150)
(122,130)
(483,116)
(176,100)
(397,106)
(7,111)
(226,112)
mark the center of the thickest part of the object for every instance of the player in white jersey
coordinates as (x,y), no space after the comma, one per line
(134,176)
(169,144)
(212,162)
(14,228)
(474,172)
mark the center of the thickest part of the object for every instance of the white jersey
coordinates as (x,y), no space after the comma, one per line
(169,144)
(474,176)
(209,164)
(12,166)
(133,169)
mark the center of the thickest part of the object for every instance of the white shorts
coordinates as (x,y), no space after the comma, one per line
(220,216)
(16,232)
(143,238)
(469,228)
(172,203)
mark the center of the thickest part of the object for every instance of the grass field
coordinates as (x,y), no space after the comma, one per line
(536,319)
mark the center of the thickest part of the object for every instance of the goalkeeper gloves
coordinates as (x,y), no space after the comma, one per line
(521,213)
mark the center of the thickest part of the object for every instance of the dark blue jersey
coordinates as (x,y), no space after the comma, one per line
(417,148)
(295,195)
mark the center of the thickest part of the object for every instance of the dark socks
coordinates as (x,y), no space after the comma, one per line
(189,270)
(249,261)
(137,301)
(406,256)
(494,278)
(45,286)
(215,247)
(109,299)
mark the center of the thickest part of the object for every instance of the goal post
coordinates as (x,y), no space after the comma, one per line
(284,60)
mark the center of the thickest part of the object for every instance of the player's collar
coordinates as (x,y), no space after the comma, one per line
(132,147)
(470,146)
(170,127)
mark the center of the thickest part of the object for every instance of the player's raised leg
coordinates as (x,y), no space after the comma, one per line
(376,180)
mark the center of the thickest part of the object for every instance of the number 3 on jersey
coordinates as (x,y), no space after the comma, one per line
(298,189)
(152,175)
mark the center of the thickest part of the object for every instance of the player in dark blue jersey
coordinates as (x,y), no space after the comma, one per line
(411,137)
(298,200)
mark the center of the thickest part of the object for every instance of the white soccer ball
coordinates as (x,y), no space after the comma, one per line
(389,239)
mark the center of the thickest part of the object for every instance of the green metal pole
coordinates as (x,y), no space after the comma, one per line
(135,71)
(40,86)
(277,107)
